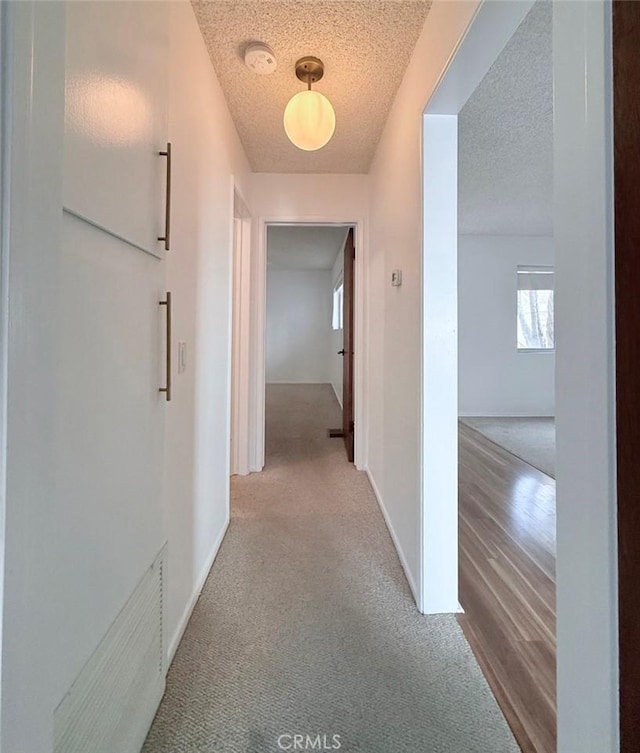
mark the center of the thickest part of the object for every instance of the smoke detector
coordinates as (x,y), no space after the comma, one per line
(260,59)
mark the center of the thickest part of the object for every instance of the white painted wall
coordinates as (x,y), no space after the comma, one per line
(309,196)
(208,157)
(298,325)
(337,335)
(394,322)
(493,378)
(85,513)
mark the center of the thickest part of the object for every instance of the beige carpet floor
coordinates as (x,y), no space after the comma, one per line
(306,625)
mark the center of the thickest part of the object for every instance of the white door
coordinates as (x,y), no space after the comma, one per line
(113,328)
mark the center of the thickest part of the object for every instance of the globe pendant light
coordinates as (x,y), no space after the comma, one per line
(309,117)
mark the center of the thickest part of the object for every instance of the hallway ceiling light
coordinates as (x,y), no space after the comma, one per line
(309,117)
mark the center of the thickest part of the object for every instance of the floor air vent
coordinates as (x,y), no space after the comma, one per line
(113,700)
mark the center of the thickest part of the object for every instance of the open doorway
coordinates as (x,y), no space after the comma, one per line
(309,347)
(506,380)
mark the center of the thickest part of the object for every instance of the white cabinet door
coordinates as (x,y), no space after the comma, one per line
(116,118)
(110,357)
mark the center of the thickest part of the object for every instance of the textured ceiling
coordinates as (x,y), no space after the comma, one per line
(301,247)
(506,138)
(365,46)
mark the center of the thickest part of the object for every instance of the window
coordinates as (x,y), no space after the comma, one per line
(338,306)
(535,309)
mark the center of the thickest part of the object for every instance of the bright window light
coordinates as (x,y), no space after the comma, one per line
(535,309)
(338,307)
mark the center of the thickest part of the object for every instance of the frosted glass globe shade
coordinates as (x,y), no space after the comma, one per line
(309,120)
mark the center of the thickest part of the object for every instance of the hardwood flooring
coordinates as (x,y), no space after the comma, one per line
(507,526)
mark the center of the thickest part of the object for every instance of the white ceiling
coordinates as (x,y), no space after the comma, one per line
(365,46)
(304,247)
(506,138)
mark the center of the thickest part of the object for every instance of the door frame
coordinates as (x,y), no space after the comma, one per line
(239,462)
(258,332)
(587,654)
(6,70)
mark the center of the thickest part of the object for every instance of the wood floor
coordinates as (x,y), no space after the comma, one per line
(507,583)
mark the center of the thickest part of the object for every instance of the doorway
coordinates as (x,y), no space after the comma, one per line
(309,319)
(258,339)
(506,368)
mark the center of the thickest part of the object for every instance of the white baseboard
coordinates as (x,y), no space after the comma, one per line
(186,615)
(288,381)
(504,415)
(338,397)
(394,538)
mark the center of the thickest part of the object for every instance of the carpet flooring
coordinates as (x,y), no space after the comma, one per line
(306,625)
(531,438)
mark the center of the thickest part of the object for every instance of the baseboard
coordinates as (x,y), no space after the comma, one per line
(301,382)
(186,615)
(338,397)
(505,415)
(394,538)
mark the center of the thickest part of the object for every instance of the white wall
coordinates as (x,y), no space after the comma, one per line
(336,362)
(493,378)
(395,241)
(208,157)
(85,516)
(309,196)
(299,304)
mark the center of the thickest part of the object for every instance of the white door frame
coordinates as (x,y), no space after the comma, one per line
(5,206)
(240,338)
(587,655)
(259,321)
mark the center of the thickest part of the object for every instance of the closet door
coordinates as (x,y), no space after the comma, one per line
(116,118)
(112,328)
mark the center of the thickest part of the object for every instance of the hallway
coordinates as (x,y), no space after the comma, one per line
(306,624)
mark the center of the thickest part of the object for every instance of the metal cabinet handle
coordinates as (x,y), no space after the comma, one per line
(167,389)
(167,209)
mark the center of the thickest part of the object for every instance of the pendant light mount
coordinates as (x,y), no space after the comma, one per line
(309,70)
(309,118)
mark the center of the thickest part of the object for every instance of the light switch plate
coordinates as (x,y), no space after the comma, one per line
(182,356)
(396,278)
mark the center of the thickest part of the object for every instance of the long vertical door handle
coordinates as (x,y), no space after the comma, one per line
(167,389)
(167,207)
